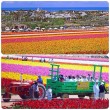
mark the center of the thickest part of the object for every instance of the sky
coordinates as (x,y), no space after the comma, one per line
(38,4)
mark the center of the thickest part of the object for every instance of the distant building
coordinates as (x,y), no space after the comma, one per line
(20,26)
(57,15)
(38,10)
(83,14)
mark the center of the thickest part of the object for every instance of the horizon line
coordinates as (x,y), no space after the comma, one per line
(69,8)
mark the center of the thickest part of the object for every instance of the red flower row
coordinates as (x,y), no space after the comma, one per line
(63,104)
(46,38)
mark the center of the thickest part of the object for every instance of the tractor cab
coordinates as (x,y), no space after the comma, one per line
(65,88)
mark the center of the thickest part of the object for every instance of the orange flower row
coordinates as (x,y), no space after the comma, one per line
(90,45)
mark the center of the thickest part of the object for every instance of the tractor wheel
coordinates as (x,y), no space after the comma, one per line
(64,96)
(42,91)
(91,96)
(6,97)
(81,96)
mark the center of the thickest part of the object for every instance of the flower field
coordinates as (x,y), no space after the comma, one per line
(63,43)
(60,104)
(12,68)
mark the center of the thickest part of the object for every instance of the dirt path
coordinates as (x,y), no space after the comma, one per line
(14,98)
(52,33)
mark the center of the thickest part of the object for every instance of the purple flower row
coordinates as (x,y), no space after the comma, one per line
(44,71)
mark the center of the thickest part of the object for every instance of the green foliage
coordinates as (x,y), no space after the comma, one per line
(92,17)
(16,107)
(2,90)
(53,22)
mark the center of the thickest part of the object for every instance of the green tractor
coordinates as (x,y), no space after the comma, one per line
(64,89)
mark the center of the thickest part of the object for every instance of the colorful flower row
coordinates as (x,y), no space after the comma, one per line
(44,71)
(7,63)
(16,76)
(43,38)
(53,31)
(37,68)
(61,104)
(88,46)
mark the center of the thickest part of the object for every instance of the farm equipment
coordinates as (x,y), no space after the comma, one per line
(64,89)
(22,89)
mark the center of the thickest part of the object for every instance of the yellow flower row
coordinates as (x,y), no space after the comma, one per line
(16,76)
(64,66)
(89,45)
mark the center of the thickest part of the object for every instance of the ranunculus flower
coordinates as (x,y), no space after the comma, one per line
(64,104)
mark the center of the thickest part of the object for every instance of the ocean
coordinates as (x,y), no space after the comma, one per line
(60,8)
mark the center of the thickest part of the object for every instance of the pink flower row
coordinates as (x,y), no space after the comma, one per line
(44,71)
(36,39)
